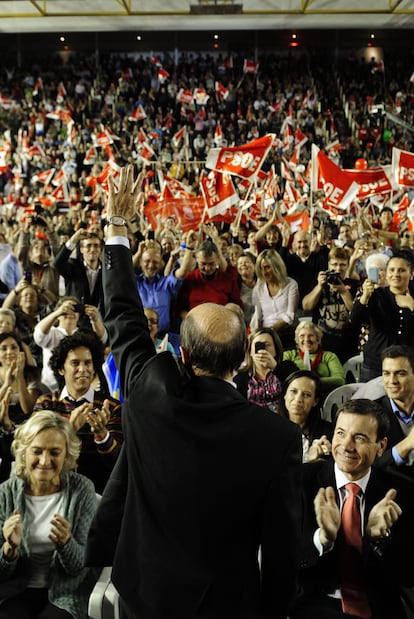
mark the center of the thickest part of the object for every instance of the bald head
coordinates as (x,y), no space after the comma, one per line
(301,243)
(214,339)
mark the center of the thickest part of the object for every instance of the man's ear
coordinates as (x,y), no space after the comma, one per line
(184,355)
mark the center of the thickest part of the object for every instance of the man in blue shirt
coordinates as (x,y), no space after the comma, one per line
(158,290)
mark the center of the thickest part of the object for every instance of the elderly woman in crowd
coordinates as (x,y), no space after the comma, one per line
(309,355)
(46,509)
(300,403)
(275,296)
(262,377)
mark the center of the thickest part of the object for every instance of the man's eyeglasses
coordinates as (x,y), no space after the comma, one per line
(152,321)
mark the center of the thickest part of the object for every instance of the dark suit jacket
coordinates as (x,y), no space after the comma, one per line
(208,478)
(76,280)
(395,435)
(387,565)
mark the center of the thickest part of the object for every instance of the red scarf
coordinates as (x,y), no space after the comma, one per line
(316,360)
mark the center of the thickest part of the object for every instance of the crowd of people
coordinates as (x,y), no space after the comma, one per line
(100,303)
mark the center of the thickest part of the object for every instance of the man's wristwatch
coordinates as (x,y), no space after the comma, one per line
(117,220)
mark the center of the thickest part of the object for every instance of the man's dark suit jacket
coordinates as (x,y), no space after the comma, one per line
(387,565)
(76,280)
(209,478)
(395,435)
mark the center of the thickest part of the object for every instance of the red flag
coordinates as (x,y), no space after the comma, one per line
(245,160)
(61,193)
(155,60)
(372,182)
(38,86)
(300,138)
(61,93)
(137,114)
(287,137)
(291,194)
(250,67)
(178,136)
(146,152)
(188,211)
(91,156)
(185,96)
(403,167)
(163,75)
(285,172)
(340,190)
(59,178)
(44,177)
(6,102)
(219,192)
(200,96)
(35,151)
(218,135)
(142,136)
(228,63)
(221,90)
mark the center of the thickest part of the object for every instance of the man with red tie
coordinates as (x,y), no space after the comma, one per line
(358,533)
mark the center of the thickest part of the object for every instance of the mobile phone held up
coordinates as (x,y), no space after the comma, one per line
(28,276)
(373,274)
(259,346)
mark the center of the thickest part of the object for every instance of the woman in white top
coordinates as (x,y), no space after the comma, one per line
(46,509)
(275,297)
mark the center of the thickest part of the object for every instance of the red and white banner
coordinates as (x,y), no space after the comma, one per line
(44,177)
(403,167)
(373,181)
(185,96)
(339,188)
(146,153)
(245,160)
(219,192)
(200,96)
(163,75)
(188,211)
(250,67)
(300,138)
(221,90)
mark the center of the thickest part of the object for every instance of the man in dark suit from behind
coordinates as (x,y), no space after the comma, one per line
(205,478)
(398,403)
(386,506)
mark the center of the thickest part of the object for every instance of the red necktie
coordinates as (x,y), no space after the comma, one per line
(353,593)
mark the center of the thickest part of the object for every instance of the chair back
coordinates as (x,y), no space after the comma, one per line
(352,368)
(334,399)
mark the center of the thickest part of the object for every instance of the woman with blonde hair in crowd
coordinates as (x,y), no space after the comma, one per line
(46,509)
(275,296)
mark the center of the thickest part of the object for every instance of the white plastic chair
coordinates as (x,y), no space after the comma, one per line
(352,368)
(104,599)
(334,399)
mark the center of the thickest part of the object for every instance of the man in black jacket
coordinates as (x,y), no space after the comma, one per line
(398,403)
(386,509)
(82,273)
(205,479)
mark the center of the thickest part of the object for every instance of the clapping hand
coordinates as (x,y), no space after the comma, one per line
(60,530)
(383,515)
